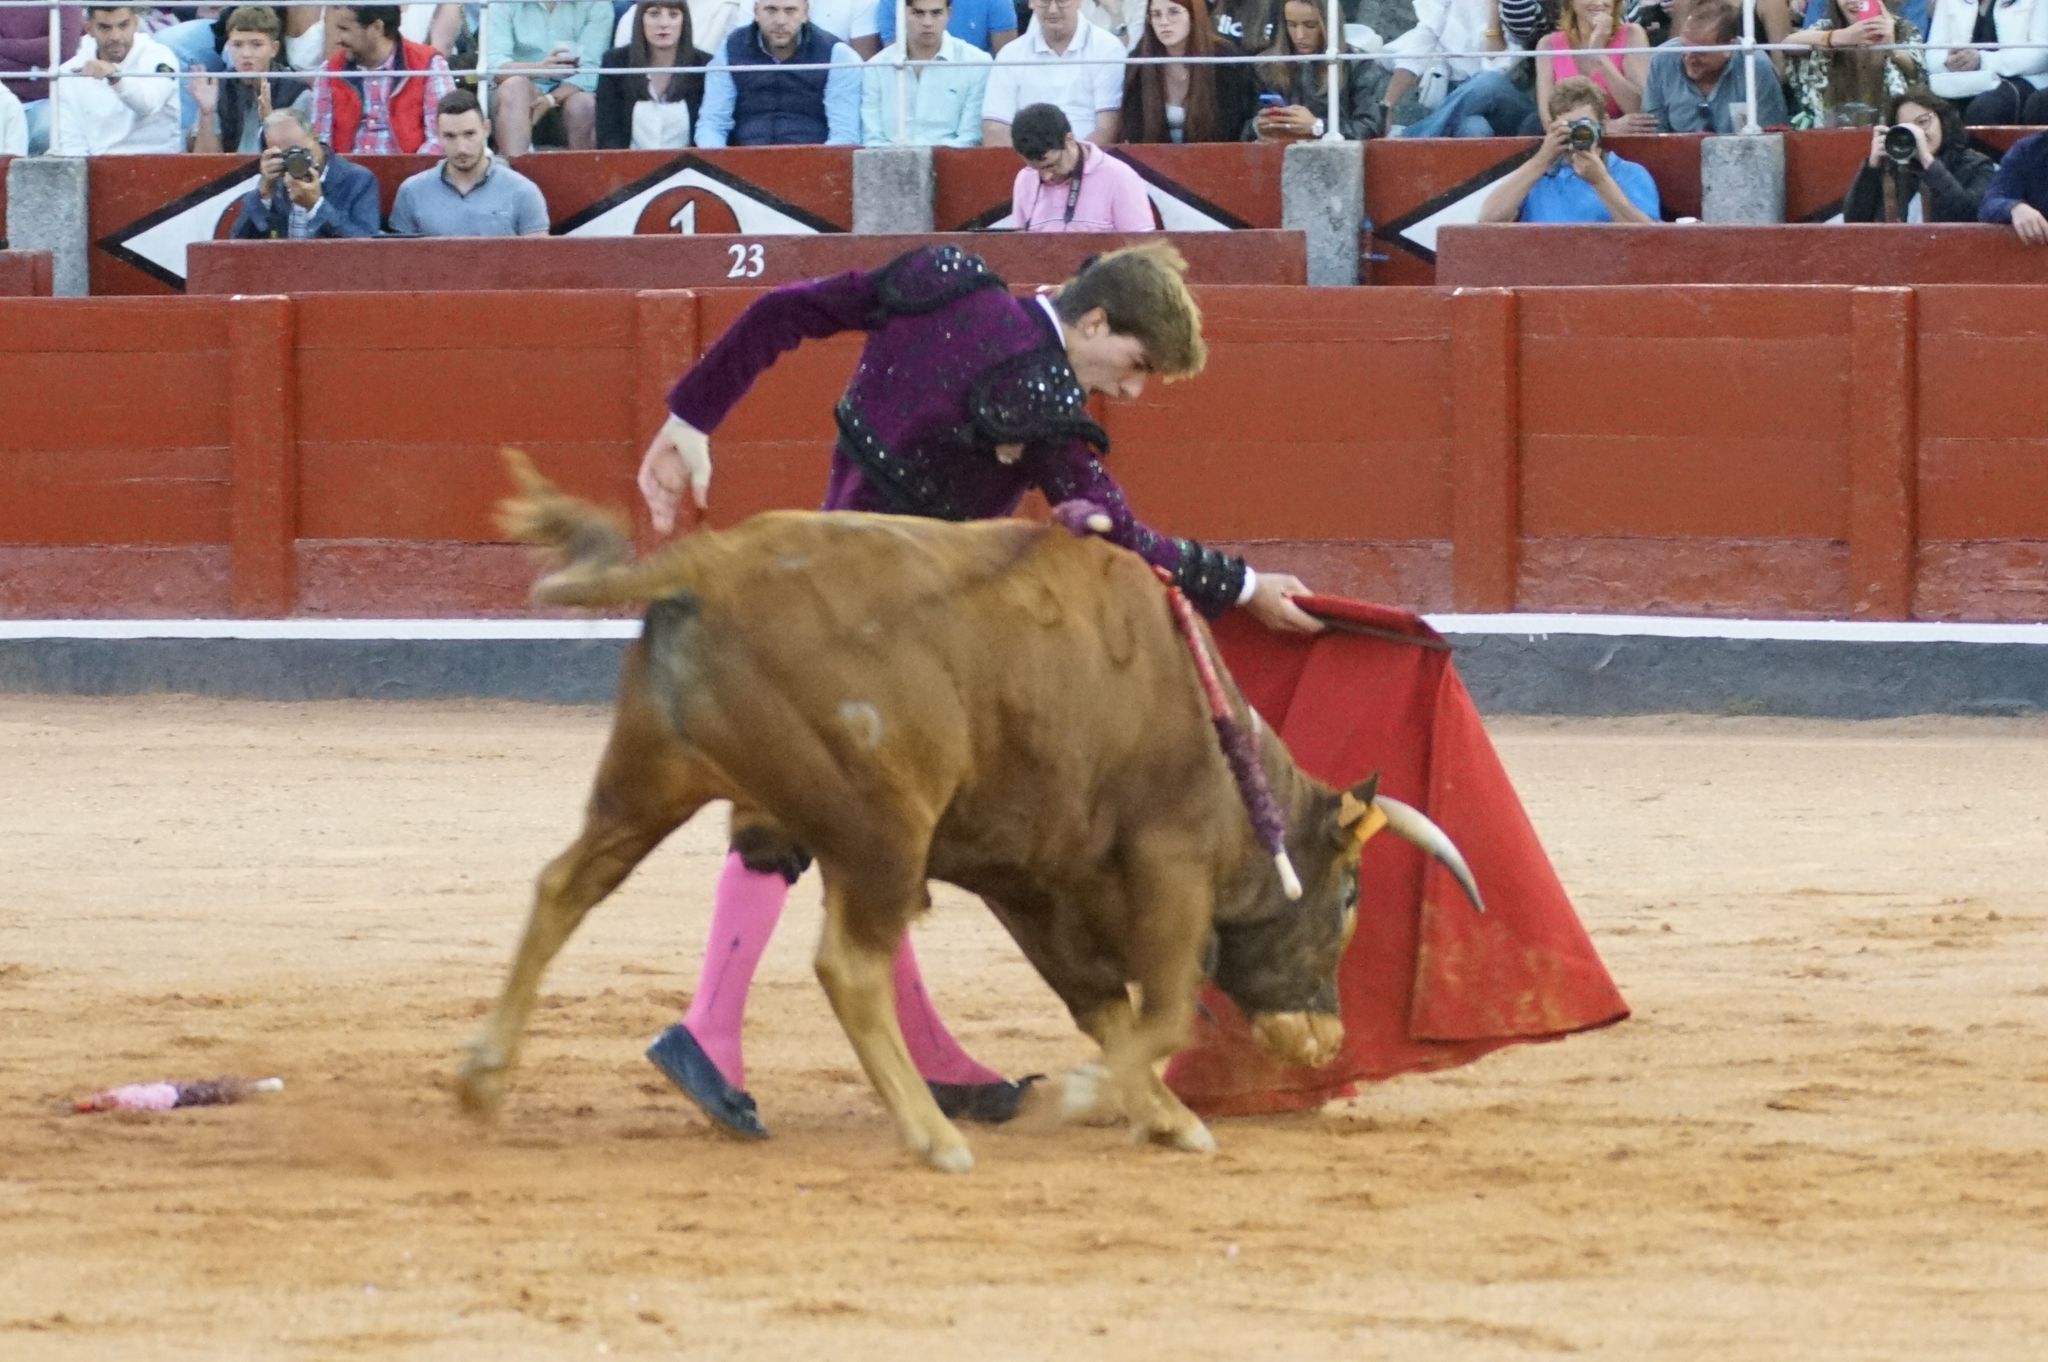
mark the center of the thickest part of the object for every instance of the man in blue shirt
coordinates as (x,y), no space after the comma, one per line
(1558,184)
(987,24)
(941,102)
(748,102)
(2019,191)
(1692,91)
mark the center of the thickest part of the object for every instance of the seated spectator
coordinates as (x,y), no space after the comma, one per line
(2018,195)
(1068,185)
(1091,95)
(231,119)
(1691,91)
(748,103)
(544,57)
(1185,102)
(471,193)
(1841,81)
(1943,181)
(1559,184)
(202,44)
(1970,59)
(987,24)
(445,28)
(1619,70)
(313,194)
(644,112)
(360,107)
(128,105)
(1303,87)
(1478,98)
(13,124)
(25,46)
(942,103)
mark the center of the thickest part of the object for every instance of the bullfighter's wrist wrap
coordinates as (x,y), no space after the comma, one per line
(1211,578)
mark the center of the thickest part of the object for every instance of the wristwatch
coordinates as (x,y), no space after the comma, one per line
(1319,128)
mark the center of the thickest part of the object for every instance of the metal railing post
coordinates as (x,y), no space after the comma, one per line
(1749,123)
(1333,36)
(902,69)
(56,60)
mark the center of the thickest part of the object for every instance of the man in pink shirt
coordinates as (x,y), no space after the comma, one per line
(1068,185)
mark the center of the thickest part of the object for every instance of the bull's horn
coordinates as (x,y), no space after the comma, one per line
(1413,825)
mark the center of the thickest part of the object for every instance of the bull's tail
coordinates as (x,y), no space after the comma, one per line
(588,549)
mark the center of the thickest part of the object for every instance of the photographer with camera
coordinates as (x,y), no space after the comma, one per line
(1570,178)
(302,190)
(1920,167)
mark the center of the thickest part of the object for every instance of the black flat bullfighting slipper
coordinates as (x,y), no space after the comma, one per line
(989,1103)
(676,1053)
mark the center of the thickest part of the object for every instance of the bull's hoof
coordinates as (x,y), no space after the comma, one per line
(950,1158)
(989,1103)
(480,1088)
(1087,1099)
(677,1054)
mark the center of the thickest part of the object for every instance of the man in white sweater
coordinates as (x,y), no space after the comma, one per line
(125,101)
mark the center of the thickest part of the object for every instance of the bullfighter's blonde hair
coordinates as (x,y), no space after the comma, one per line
(1143,292)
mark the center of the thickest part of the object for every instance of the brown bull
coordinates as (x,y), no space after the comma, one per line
(998,705)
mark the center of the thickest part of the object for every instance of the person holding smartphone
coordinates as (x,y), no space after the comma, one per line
(1846,73)
(1294,96)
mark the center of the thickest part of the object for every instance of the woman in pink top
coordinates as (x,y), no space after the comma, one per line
(1619,70)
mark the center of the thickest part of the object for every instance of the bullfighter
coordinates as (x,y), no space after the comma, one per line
(965,399)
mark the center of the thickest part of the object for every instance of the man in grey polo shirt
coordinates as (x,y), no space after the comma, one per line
(1705,91)
(471,193)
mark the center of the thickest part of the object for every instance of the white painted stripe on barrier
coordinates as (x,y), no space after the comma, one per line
(571,630)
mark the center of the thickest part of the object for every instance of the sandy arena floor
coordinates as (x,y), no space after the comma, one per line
(1824,1136)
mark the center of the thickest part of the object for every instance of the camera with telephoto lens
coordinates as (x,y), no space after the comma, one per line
(1901,147)
(1582,134)
(298,163)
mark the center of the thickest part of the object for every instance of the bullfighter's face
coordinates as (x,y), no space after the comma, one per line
(1106,361)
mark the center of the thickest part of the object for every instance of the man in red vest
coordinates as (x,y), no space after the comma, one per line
(366,107)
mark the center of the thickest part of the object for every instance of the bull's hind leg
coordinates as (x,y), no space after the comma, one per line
(646,788)
(865,916)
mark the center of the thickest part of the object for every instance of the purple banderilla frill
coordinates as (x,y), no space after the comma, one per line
(1084,518)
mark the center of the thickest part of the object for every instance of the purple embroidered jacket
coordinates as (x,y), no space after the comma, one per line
(953,367)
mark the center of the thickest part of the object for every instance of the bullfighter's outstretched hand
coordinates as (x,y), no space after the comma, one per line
(679,455)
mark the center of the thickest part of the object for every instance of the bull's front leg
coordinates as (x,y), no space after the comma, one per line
(864,922)
(1169,927)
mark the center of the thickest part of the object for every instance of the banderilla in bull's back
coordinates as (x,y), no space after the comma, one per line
(999,705)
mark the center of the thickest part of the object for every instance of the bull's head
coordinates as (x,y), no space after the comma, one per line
(1281,968)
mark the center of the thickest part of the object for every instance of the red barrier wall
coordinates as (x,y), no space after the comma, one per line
(25,274)
(1866,254)
(146,210)
(1807,452)
(670,262)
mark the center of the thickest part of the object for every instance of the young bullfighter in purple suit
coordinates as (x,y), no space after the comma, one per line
(965,398)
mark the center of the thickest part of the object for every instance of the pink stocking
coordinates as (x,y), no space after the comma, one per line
(743,917)
(932,1048)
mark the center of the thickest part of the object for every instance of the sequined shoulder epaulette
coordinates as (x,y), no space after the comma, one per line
(1033,396)
(928,278)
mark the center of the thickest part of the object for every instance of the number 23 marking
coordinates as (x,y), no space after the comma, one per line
(747,262)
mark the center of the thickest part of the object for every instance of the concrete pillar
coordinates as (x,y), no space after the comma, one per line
(1322,192)
(892,191)
(1742,178)
(46,201)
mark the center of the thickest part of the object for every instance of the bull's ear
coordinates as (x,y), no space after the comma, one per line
(1357,817)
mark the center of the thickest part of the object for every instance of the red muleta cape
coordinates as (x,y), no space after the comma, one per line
(1427,983)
